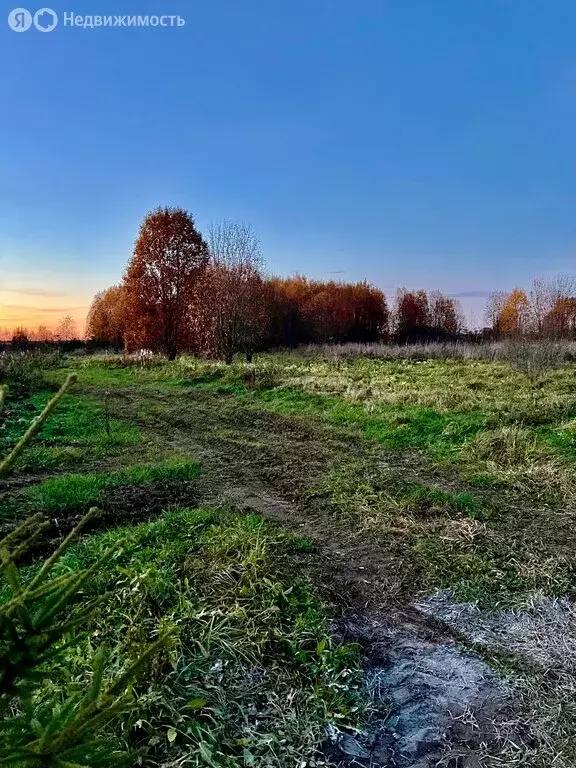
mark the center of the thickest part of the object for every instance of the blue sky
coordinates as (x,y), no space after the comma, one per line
(409,142)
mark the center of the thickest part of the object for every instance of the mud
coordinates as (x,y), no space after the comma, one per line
(118,505)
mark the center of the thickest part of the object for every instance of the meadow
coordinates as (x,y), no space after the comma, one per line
(296,522)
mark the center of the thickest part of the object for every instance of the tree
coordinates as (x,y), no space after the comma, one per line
(66,329)
(161,281)
(44,334)
(302,311)
(493,310)
(232,315)
(287,297)
(514,317)
(345,312)
(412,315)
(546,296)
(20,339)
(445,314)
(560,321)
(107,316)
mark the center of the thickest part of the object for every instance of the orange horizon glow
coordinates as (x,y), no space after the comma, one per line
(44,316)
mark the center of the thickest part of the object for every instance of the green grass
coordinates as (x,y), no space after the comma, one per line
(78,430)
(396,428)
(497,518)
(491,571)
(76,491)
(382,499)
(252,675)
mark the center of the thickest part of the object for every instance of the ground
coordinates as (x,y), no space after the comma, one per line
(424,490)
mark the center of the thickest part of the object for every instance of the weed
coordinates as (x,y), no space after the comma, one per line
(254,674)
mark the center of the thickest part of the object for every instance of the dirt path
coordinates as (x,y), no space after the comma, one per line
(256,460)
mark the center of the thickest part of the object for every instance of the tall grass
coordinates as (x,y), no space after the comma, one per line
(549,351)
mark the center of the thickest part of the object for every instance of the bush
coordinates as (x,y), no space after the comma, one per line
(23,373)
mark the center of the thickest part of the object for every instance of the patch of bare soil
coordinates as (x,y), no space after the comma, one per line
(118,505)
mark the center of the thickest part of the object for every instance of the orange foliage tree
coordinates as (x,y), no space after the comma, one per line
(302,311)
(107,316)
(286,299)
(514,314)
(180,292)
(561,319)
(161,281)
(412,315)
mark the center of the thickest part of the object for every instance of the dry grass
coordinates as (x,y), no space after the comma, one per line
(542,353)
(463,425)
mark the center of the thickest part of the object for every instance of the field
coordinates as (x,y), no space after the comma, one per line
(368,560)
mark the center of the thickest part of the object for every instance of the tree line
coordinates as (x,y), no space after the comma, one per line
(211,295)
(182,291)
(546,310)
(21,338)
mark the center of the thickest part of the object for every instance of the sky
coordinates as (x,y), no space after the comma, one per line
(407,142)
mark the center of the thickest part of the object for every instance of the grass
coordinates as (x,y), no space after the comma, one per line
(501,441)
(384,502)
(79,430)
(461,469)
(396,428)
(252,674)
(78,491)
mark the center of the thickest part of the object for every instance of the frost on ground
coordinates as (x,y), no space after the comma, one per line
(443,703)
(539,638)
(447,706)
(541,629)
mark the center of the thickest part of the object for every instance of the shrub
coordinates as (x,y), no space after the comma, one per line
(21,373)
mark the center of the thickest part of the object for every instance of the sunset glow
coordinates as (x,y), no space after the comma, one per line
(32,309)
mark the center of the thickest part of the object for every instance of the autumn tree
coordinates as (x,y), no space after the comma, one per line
(445,314)
(161,281)
(345,312)
(514,315)
(370,315)
(549,296)
(287,297)
(232,310)
(107,316)
(412,315)
(66,330)
(560,321)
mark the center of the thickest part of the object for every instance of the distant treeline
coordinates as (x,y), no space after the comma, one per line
(182,292)
(211,296)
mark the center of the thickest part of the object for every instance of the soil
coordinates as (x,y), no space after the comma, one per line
(118,505)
